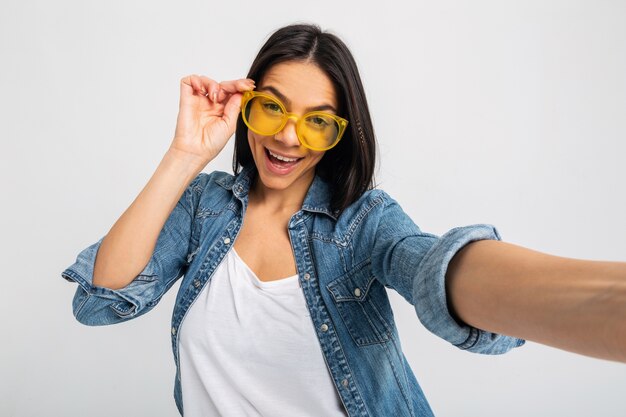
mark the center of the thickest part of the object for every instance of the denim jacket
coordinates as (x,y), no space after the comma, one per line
(345,263)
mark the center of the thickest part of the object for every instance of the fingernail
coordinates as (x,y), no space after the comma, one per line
(214,97)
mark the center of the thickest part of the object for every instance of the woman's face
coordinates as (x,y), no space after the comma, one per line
(301,87)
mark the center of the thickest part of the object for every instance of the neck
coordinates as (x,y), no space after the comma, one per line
(287,201)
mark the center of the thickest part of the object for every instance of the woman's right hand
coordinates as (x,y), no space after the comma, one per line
(207,116)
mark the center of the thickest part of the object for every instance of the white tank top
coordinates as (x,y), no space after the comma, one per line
(248,348)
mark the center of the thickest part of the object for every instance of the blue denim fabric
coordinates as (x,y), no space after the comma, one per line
(345,263)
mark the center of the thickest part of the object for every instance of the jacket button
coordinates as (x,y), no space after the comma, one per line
(344,382)
(307,276)
(357,292)
(227,241)
(196,283)
(324,327)
(173,330)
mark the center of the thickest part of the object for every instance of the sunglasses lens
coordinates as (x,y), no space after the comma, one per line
(263,115)
(319,131)
(266,116)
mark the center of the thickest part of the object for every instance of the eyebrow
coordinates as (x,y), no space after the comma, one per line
(285,100)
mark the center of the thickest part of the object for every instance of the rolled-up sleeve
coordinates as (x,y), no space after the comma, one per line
(414,263)
(94,305)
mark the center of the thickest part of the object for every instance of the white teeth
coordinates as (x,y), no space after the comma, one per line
(282,158)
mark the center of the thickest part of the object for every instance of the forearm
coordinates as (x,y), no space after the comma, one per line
(127,247)
(572,304)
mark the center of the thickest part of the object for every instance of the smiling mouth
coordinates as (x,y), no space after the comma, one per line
(281,161)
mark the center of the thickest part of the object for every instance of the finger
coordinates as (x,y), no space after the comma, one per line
(231,111)
(185,84)
(197,84)
(222,95)
(211,87)
(235,86)
(226,88)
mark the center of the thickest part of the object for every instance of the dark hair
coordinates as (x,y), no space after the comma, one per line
(349,166)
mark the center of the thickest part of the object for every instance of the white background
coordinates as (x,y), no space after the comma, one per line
(500,112)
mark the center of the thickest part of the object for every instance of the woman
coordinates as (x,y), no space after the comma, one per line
(283,308)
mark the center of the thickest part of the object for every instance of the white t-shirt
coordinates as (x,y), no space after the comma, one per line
(248,348)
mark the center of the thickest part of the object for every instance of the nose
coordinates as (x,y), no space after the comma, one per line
(287,135)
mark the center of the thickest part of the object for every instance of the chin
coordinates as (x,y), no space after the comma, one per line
(283,182)
(276,177)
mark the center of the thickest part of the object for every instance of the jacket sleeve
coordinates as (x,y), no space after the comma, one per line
(414,263)
(95,306)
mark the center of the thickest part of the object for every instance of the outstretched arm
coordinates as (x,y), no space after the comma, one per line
(572,304)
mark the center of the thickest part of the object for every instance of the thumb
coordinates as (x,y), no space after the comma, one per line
(231,110)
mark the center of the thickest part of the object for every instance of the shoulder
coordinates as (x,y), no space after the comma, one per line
(213,183)
(211,180)
(210,193)
(371,202)
(367,212)
(376,212)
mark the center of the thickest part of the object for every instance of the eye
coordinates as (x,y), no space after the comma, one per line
(272,107)
(319,121)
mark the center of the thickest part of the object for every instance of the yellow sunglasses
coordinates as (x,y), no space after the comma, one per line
(266,115)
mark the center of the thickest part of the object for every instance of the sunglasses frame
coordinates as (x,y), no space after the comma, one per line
(249,95)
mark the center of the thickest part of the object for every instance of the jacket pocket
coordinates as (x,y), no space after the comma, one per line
(360,298)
